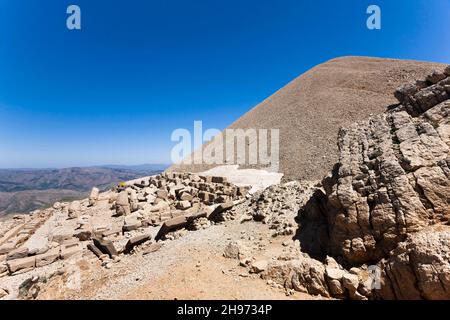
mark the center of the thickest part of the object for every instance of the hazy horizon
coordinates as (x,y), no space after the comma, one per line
(89,166)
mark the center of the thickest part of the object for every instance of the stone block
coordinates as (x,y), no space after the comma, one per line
(136,240)
(105,246)
(219,209)
(170,225)
(68,251)
(23,264)
(48,257)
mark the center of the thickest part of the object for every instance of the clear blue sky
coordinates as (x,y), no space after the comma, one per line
(114,91)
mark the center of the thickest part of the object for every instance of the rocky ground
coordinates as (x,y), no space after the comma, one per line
(108,250)
(376,227)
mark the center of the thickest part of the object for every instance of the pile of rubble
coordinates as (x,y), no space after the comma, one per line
(14,255)
(135,214)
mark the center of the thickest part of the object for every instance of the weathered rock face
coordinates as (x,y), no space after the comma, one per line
(418,268)
(303,275)
(278,205)
(387,202)
(393,178)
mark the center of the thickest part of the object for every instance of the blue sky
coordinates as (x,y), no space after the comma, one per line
(114,91)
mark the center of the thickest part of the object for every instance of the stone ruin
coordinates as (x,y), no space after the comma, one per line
(135,213)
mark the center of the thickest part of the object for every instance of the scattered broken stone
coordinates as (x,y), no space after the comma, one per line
(18,253)
(131,223)
(22,264)
(95,250)
(259,266)
(69,250)
(105,246)
(216,214)
(48,257)
(152,248)
(170,225)
(135,241)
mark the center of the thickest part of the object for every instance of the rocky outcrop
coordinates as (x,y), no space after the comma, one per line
(278,205)
(418,268)
(391,185)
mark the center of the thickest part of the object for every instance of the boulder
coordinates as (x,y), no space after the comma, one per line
(150,198)
(235,250)
(122,204)
(185,196)
(134,201)
(3,293)
(206,197)
(83,234)
(3,269)
(435,77)
(160,207)
(334,274)
(93,197)
(418,268)
(259,266)
(335,287)
(243,190)
(162,194)
(303,275)
(60,234)
(218,179)
(350,282)
(105,246)
(95,250)
(152,248)
(183,205)
(74,209)
(196,215)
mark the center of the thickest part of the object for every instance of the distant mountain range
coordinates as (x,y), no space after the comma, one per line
(24,190)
